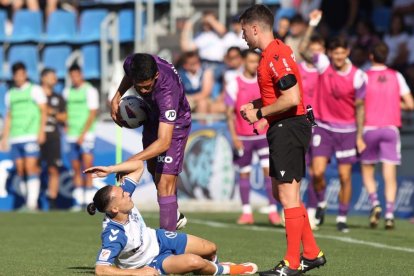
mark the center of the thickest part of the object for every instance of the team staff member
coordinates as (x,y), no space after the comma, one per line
(50,150)
(288,136)
(165,132)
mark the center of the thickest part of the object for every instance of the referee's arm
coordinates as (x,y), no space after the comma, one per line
(288,99)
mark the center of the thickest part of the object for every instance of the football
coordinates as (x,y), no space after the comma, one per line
(133,111)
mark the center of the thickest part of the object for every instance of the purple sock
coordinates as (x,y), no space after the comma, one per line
(343,209)
(389,208)
(269,192)
(244,185)
(168,212)
(312,196)
(321,194)
(373,198)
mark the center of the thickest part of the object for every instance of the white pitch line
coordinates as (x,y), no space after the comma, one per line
(327,237)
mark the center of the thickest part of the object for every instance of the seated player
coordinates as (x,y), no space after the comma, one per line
(127,243)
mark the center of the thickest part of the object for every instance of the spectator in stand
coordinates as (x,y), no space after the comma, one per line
(296,34)
(307,6)
(405,8)
(339,15)
(384,91)
(245,142)
(282,28)
(396,41)
(359,56)
(82,107)
(24,127)
(50,150)
(234,38)
(197,82)
(208,42)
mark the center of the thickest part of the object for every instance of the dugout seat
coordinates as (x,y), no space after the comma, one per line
(27,26)
(28,54)
(91,61)
(55,57)
(61,27)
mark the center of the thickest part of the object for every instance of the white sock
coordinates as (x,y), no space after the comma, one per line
(272,208)
(323,204)
(226,269)
(33,191)
(89,194)
(247,209)
(389,216)
(78,195)
(341,219)
(311,212)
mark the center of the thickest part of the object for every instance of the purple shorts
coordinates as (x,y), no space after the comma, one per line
(244,158)
(383,144)
(171,161)
(327,143)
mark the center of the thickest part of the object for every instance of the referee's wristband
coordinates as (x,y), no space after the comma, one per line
(259,114)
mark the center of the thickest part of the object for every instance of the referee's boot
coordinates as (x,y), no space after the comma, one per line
(281,269)
(307,264)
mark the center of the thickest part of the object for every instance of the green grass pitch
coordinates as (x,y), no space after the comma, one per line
(62,243)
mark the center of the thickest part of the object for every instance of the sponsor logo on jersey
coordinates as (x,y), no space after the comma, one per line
(170,115)
(170,235)
(165,159)
(104,256)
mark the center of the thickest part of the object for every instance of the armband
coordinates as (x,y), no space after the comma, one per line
(286,82)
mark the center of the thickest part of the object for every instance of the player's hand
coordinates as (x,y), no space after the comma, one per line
(360,143)
(115,109)
(238,145)
(99,171)
(146,270)
(80,140)
(41,138)
(262,124)
(246,107)
(315,17)
(250,116)
(3,145)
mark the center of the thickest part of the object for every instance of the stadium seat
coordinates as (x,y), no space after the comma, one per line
(381,18)
(2,74)
(3,18)
(270,2)
(54,57)
(127,25)
(27,26)
(28,54)
(3,90)
(61,27)
(91,61)
(90,25)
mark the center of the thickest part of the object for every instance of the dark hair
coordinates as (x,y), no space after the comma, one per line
(190,54)
(18,66)
(297,18)
(46,71)
(247,52)
(316,38)
(234,48)
(379,52)
(101,200)
(258,13)
(338,42)
(143,67)
(75,67)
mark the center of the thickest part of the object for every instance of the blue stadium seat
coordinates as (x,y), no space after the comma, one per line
(91,61)
(3,90)
(54,57)
(381,18)
(27,26)
(127,25)
(28,54)
(61,27)
(59,87)
(2,73)
(90,25)
(3,18)
(270,2)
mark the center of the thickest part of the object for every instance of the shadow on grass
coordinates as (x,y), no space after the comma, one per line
(83,269)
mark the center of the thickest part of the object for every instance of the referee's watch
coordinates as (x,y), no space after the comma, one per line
(259,114)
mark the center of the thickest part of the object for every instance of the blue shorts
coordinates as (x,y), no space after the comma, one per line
(76,151)
(171,243)
(23,150)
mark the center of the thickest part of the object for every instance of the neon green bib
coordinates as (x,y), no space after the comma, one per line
(78,110)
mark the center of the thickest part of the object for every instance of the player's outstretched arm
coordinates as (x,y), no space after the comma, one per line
(131,168)
(102,270)
(315,17)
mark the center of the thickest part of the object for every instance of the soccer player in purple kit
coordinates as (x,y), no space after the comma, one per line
(339,111)
(165,132)
(385,89)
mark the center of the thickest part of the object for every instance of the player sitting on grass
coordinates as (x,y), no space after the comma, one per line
(136,249)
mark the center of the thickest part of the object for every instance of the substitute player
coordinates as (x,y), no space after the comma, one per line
(385,89)
(82,107)
(242,89)
(129,244)
(50,150)
(165,132)
(24,127)
(288,136)
(339,111)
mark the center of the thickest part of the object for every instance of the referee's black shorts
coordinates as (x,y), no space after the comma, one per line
(288,142)
(51,152)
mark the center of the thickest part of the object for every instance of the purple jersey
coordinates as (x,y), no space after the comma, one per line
(167,101)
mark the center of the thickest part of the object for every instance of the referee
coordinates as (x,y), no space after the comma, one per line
(288,136)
